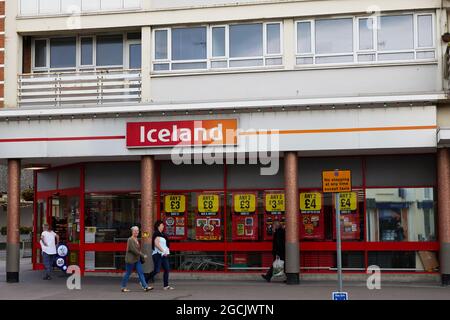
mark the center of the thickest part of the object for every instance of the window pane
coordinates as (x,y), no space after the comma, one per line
(189,65)
(189,43)
(365,34)
(401,214)
(425,30)
(334,36)
(48,6)
(111,4)
(71,6)
(87,51)
(396,56)
(161,66)
(304,37)
(218,42)
(63,52)
(246,63)
(306,60)
(366,57)
(161,44)
(219,64)
(425,55)
(40,53)
(135,56)
(109,50)
(396,33)
(334,59)
(273,38)
(274,62)
(246,40)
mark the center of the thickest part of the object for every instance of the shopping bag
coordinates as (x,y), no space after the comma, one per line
(278,267)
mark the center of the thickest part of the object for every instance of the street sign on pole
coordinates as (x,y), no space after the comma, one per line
(336,181)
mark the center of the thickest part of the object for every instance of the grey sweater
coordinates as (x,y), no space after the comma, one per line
(133,251)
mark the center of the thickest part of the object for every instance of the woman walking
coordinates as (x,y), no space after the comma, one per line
(134,259)
(160,255)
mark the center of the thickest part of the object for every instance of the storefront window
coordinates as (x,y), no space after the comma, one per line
(104,260)
(197,261)
(401,214)
(108,218)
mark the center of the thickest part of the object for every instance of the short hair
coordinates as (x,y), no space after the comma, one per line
(45,225)
(134,228)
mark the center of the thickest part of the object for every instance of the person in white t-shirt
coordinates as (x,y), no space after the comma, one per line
(48,242)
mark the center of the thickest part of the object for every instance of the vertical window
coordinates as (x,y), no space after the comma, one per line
(111,4)
(425,31)
(161,44)
(109,50)
(40,53)
(218,41)
(189,43)
(395,33)
(273,35)
(366,28)
(334,36)
(87,51)
(246,40)
(134,56)
(63,53)
(304,37)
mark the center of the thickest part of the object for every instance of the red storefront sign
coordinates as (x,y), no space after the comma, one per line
(181,133)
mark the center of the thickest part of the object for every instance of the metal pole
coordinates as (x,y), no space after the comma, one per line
(338,239)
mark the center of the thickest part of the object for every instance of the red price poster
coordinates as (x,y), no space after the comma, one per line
(311,216)
(245,218)
(208,222)
(174,216)
(348,205)
(274,211)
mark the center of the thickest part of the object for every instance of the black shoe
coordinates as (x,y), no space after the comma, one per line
(265,277)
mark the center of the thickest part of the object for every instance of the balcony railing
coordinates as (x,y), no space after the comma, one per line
(79,88)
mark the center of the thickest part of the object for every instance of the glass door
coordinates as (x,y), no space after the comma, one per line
(65,217)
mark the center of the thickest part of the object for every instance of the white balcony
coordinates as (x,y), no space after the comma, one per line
(59,89)
(62,7)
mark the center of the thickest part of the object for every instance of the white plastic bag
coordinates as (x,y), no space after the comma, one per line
(278,267)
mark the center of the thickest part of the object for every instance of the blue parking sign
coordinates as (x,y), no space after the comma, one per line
(339,296)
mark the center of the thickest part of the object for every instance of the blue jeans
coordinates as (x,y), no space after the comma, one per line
(129,269)
(159,260)
(48,260)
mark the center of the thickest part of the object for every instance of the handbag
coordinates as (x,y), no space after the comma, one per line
(278,267)
(142,259)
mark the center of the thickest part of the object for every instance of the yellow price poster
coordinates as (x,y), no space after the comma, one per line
(244,202)
(208,203)
(310,201)
(175,203)
(347,201)
(274,202)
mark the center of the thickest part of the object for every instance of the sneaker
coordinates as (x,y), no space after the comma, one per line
(125,290)
(168,288)
(265,277)
(148,289)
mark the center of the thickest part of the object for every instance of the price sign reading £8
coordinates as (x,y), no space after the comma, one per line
(244,203)
(174,203)
(208,203)
(311,202)
(275,202)
(348,201)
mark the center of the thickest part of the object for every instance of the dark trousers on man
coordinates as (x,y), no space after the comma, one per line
(158,261)
(48,260)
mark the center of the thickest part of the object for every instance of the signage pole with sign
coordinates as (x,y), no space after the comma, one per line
(337,181)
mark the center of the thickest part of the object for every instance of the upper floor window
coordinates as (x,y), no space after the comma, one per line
(217,47)
(397,37)
(87,52)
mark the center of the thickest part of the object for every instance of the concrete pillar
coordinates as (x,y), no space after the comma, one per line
(13,217)
(146,65)
(292,212)
(443,174)
(148,180)
(289,45)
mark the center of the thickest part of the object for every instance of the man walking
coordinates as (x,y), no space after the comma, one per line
(48,242)
(278,247)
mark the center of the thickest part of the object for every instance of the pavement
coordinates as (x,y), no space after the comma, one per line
(32,287)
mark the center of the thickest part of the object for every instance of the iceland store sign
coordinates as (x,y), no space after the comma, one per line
(181,133)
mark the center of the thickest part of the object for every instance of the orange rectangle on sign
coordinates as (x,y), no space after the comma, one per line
(337,181)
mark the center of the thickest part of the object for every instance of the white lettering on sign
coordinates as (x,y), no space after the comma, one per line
(180,134)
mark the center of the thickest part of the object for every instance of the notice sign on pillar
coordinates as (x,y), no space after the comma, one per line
(337,181)
(208,226)
(174,216)
(245,218)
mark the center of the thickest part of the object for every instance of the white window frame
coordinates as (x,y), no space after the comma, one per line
(375,51)
(226,58)
(128,43)
(79,66)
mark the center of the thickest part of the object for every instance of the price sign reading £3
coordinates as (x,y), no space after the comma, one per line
(274,202)
(244,203)
(174,203)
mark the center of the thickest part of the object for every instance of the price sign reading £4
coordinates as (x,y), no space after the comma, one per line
(348,201)
(311,202)
(174,203)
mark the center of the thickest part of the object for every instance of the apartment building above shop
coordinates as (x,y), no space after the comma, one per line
(78,53)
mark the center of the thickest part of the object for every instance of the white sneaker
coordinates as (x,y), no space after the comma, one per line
(168,288)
